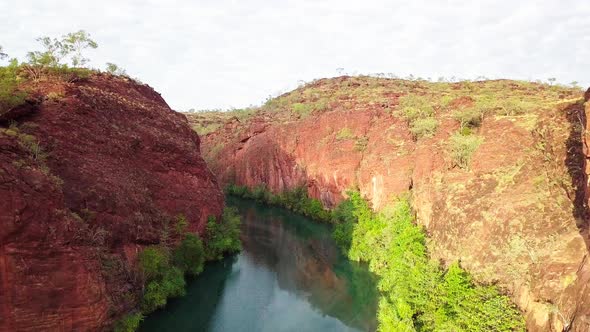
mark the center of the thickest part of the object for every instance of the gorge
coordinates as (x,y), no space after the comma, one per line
(443,206)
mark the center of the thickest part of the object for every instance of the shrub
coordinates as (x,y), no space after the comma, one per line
(302,109)
(113,69)
(170,284)
(414,107)
(361,143)
(423,127)
(223,236)
(129,323)
(10,95)
(462,147)
(189,256)
(468,117)
(153,262)
(419,114)
(344,134)
(344,220)
(162,279)
(416,294)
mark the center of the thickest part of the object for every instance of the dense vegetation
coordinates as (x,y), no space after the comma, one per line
(416,294)
(296,200)
(164,269)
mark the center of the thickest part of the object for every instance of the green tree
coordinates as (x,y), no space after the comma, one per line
(113,69)
(223,236)
(55,50)
(189,256)
(75,43)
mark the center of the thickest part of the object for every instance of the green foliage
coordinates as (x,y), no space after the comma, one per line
(223,236)
(113,69)
(423,127)
(55,50)
(302,109)
(416,295)
(419,113)
(296,200)
(189,256)
(461,148)
(470,117)
(163,272)
(157,291)
(163,280)
(153,262)
(344,134)
(10,95)
(344,220)
(129,323)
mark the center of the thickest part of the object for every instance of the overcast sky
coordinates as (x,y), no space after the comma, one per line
(229,53)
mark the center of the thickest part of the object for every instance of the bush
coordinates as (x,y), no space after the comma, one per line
(469,117)
(190,255)
(344,134)
(223,236)
(170,284)
(419,114)
(462,147)
(416,295)
(414,107)
(424,127)
(10,96)
(162,279)
(129,323)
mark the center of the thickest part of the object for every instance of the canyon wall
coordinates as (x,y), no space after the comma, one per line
(516,217)
(91,171)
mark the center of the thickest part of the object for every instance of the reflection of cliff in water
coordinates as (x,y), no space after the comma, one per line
(307,264)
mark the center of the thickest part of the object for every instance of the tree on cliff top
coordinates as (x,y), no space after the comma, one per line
(55,50)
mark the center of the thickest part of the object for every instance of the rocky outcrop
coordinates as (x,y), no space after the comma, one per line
(90,174)
(516,217)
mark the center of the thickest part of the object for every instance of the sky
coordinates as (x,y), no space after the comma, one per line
(205,54)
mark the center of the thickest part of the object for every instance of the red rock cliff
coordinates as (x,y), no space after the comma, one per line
(516,217)
(89,174)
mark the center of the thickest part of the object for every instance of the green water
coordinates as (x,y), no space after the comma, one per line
(289,277)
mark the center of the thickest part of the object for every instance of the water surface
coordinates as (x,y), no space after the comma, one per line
(289,277)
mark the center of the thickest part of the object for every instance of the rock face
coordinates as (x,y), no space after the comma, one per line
(517,216)
(90,174)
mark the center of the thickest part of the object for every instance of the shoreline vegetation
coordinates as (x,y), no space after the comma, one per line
(164,267)
(416,292)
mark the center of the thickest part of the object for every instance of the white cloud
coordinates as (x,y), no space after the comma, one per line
(205,54)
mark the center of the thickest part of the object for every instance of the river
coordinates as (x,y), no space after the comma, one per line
(290,276)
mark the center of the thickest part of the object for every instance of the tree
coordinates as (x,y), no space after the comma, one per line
(551,80)
(115,70)
(74,43)
(55,50)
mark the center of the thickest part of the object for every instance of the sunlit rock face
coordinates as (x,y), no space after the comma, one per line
(517,216)
(90,172)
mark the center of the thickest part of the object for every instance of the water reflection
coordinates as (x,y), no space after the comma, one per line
(289,277)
